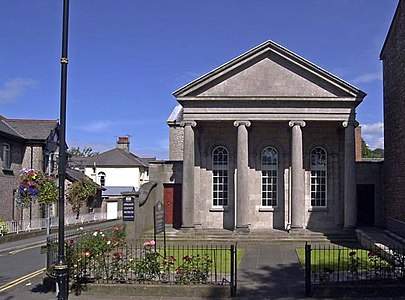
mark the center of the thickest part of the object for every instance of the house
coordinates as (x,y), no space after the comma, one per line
(267,140)
(117,171)
(30,144)
(393,58)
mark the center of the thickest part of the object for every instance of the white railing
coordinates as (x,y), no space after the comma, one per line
(42,223)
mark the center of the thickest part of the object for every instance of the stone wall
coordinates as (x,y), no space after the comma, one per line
(278,135)
(9,179)
(393,56)
(176,135)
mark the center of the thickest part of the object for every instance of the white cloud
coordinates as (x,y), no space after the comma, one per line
(14,88)
(96,126)
(367,77)
(373,134)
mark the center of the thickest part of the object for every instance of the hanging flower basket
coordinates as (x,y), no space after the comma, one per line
(36,186)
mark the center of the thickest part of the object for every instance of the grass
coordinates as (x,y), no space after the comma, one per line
(221,257)
(335,259)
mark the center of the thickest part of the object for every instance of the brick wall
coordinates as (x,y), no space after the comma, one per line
(393,56)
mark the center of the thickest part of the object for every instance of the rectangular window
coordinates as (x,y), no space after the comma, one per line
(220,187)
(6,156)
(318,188)
(269,188)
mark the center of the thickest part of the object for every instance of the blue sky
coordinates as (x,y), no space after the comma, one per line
(126,57)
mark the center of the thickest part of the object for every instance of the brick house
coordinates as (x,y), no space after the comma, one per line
(393,58)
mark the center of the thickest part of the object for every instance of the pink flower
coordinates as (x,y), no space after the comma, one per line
(146,244)
(152,243)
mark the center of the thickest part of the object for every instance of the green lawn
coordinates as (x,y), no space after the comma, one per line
(335,259)
(220,257)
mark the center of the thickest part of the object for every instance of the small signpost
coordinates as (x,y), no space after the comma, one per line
(128,209)
(159,223)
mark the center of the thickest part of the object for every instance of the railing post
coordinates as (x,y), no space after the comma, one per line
(233,270)
(307,270)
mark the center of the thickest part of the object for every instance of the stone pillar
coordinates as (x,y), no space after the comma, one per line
(188,175)
(350,201)
(242,206)
(297,176)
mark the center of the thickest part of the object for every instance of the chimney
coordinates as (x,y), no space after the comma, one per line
(123,143)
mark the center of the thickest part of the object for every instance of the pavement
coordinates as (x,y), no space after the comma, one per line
(266,271)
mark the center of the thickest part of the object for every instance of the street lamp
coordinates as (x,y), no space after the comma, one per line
(61,267)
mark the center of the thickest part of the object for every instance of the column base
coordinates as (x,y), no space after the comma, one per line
(242,229)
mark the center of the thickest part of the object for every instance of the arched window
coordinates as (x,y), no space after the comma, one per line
(269,166)
(318,177)
(101,178)
(220,161)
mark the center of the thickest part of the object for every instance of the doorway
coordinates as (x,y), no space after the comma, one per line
(365,204)
(172,200)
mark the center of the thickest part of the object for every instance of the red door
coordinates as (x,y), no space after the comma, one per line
(172,201)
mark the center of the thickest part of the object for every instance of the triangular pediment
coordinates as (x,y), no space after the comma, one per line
(268,71)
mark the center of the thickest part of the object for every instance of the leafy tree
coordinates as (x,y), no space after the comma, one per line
(81,193)
(86,152)
(366,152)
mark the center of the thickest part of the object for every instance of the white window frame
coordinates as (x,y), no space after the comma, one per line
(220,177)
(269,177)
(6,156)
(319,177)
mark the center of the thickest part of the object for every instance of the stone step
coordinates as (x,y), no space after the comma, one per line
(262,236)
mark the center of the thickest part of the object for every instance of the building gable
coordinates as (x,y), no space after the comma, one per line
(268,71)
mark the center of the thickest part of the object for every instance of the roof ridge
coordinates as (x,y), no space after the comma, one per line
(13,129)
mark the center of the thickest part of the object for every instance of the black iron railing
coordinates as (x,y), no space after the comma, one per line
(115,262)
(338,265)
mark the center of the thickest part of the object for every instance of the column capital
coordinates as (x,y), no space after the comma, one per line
(245,123)
(346,124)
(295,123)
(188,123)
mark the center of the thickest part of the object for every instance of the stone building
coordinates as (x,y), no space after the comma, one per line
(266,140)
(393,57)
(27,144)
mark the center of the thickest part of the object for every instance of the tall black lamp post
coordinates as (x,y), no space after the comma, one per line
(61,267)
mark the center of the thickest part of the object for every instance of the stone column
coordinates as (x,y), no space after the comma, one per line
(297,176)
(350,201)
(242,206)
(188,175)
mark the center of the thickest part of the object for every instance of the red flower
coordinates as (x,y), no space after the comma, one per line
(187,259)
(353,253)
(371,253)
(116,228)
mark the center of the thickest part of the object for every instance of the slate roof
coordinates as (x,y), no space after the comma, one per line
(116,158)
(117,190)
(74,175)
(28,129)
